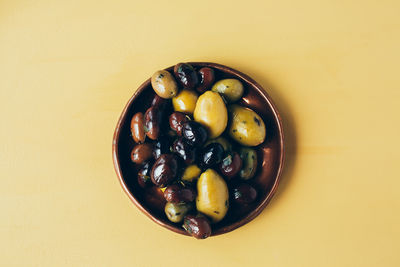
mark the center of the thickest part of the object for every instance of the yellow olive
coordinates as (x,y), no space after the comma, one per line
(176,211)
(245,126)
(220,140)
(211,112)
(185,101)
(191,173)
(213,196)
(231,89)
(164,84)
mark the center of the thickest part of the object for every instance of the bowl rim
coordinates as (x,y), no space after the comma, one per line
(260,207)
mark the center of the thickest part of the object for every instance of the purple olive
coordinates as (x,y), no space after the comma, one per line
(231,165)
(177,193)
(197,226)
(244,194)
(207,78)
(186,75)
(176,121)
(143,175)
(153,120)
(194,133)
(161,146)
(184,150)
(211,155)
(164,170)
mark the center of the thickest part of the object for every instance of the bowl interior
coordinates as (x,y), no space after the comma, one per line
(270,154)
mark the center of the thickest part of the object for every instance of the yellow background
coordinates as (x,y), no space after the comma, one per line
(67,68)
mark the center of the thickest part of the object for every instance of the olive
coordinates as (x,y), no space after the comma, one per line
(144,179)
(159,102)
(137,128)
(249,163)
(161,146)
(176,121)
(177,193)
(186,151)
(194,133)
(231,165)
(225,143)
(141,153)
(153,120)
(176,211)
(164,170)
(211,155)
(185,101)
(207,78)
(191,173)
(186,75)
(197,226)
(244,194)
(230,89)
(164,84)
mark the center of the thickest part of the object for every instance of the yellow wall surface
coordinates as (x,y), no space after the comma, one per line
(67,68)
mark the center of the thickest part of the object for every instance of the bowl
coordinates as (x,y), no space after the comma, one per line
(270,154)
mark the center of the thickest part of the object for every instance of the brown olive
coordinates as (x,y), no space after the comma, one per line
(207,78)
(144,179)
(159,102)
(197,226)
(244,194)
(194,133)
(177,193)
(161,146)
(176,121)
(231,165)
(153,119)
(186,75)
(141,153)
(137,128)
(184,150)
(164,170)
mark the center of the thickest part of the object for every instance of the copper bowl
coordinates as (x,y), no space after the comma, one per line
(270,153)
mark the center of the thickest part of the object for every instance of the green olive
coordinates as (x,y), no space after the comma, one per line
(221,140)
(246,127)
(211,112)
(185,101)
(249,166)
(164,84)
(176,211)
(231,89)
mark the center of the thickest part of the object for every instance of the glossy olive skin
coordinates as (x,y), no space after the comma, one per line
(184,150)
(195,133)
(153,120)
(161,146)
(143,176)
(223,141)
(141,153)
(196,226)
(186,75)
(164,84)
(191,173)
(185,101)
(164,170)
(176,121)
(230,165)
(211,155)
(176,211)
(177,193)
(249,166)
(137,128)
(230,89)
(244,194)
(207,78)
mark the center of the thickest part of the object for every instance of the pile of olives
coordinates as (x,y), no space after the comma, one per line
(196,144)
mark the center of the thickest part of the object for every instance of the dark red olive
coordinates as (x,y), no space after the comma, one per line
(177,193)
(244,194)
(153,119)
(211,155)
(186,75)
(164,170)
(137,128)
(231,165)
(159,102)
(141,153)
(143,178)
(161,146)
(194,133)
(207,78)
(186,151)
(176,121)
(197,226)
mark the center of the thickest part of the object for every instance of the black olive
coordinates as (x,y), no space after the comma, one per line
(144,173)
(186,151)
(164,170)
(194,133)
(212,154)
(161,146)
(186,75)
